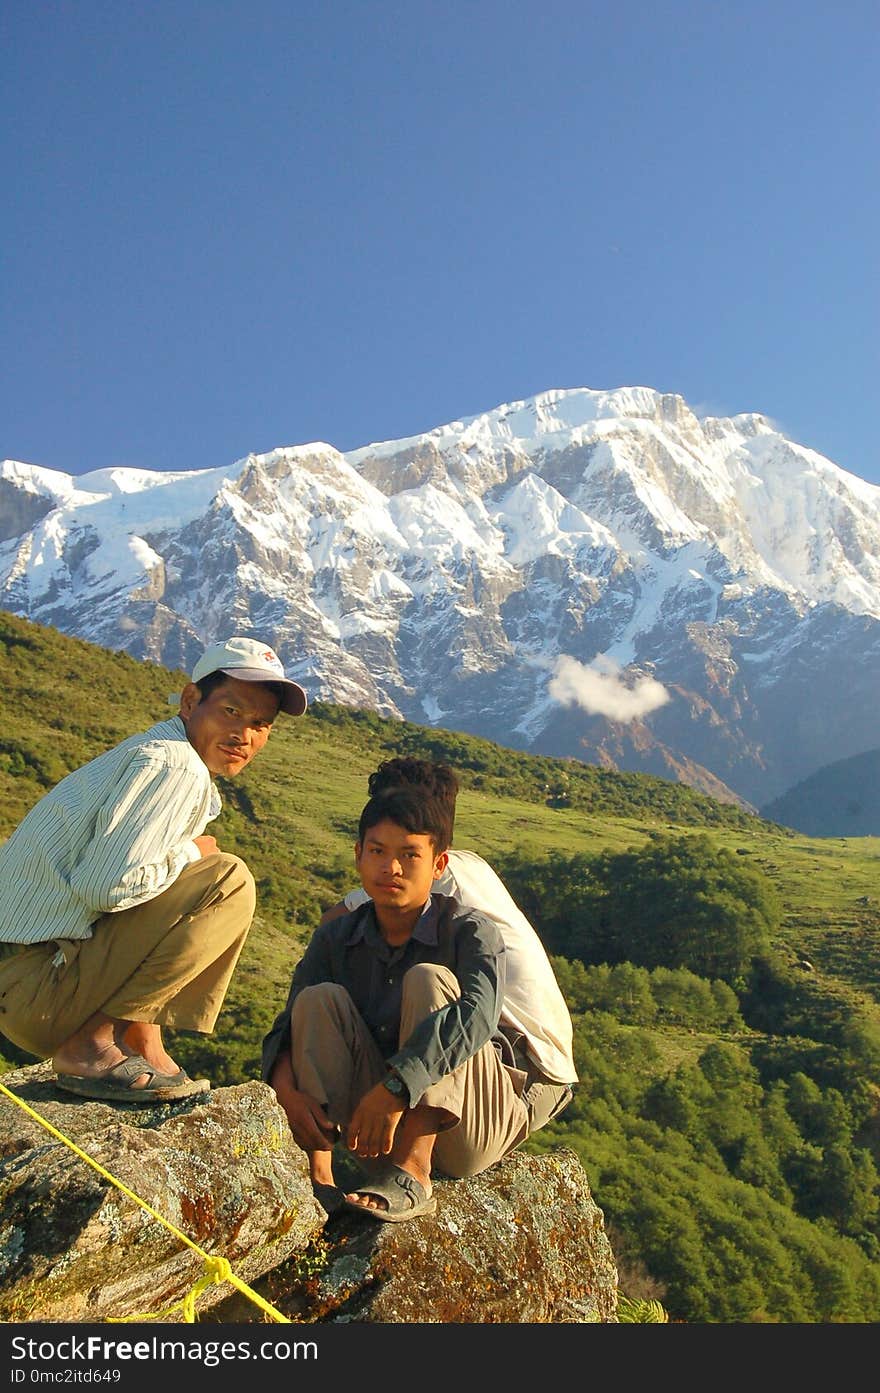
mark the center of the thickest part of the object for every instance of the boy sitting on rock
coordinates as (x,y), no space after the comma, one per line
(390,1031)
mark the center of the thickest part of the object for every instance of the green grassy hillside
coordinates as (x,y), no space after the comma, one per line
(730,1131)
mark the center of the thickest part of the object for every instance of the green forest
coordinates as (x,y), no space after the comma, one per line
(723,973)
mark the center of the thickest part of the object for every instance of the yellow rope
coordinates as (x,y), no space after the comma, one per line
(217,1269)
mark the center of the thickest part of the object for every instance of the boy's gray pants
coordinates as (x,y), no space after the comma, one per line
(492,1106)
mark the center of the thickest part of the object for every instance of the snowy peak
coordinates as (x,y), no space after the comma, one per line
(539,521)
(616,537)
(554,418)
(642,467)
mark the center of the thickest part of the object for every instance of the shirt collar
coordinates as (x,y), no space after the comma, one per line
(425,929)
(426,925)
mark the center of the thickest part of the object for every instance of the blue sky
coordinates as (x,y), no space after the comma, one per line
(231,226)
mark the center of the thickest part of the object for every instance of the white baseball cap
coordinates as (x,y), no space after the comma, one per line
(249,660)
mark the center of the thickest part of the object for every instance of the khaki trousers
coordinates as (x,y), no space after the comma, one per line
(337,1061)
(168,961)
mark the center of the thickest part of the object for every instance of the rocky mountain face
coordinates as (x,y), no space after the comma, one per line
(602,575)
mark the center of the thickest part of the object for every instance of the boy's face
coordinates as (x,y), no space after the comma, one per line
(398,868)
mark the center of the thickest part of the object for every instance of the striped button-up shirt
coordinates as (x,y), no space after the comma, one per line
(110,835)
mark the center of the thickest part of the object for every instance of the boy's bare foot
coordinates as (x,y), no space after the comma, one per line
(394,1192)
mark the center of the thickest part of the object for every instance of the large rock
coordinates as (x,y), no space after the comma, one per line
(74,1247)
(523,1242)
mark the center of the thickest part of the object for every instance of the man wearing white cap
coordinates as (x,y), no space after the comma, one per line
(118,914)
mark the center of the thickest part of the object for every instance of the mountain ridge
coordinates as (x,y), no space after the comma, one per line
(709,588)
(842,799)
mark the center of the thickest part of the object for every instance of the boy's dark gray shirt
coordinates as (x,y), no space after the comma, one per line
(351,951)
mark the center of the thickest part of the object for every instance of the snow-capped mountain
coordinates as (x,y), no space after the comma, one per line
(598,574)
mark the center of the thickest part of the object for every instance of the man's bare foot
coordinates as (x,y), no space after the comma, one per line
(91,1064)
(102,1042)
(145,1039)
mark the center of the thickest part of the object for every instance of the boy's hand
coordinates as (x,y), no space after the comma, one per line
(372,1127)
(310,1125)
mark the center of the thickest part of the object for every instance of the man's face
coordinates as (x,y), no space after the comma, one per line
(398,868)
(230,725)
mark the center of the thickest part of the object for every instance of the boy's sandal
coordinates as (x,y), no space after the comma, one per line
(329,1197)
(405,1196)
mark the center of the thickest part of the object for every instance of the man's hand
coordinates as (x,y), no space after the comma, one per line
(310,1125)
(374,1122)
(206,845)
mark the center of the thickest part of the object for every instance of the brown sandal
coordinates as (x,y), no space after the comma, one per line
(118,1084)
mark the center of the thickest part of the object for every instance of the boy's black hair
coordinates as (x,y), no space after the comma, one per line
(435,781)
(411,809)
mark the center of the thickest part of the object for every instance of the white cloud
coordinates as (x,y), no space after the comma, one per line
(602,690)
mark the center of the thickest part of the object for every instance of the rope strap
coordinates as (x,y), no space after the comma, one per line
(217,1269)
